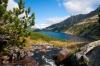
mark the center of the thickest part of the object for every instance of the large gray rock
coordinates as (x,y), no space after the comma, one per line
(88,55)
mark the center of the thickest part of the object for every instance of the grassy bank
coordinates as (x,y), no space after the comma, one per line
(38,38)
(38,35)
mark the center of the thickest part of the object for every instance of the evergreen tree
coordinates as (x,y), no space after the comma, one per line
(13,29)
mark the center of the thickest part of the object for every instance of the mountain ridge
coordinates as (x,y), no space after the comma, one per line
(64,25)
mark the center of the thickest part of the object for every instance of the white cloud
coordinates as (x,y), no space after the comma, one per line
(12,4)
(79,6)
(21,15)
(49,22)
(40,26)
(59,4)
(36,26)
(55,20)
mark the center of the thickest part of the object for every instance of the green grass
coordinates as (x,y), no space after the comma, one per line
(38,35)
(38,38)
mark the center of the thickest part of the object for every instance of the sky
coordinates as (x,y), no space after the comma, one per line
(48,12)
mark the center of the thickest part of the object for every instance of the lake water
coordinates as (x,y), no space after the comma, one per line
(67,36)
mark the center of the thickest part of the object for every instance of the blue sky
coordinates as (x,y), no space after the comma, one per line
(48,12)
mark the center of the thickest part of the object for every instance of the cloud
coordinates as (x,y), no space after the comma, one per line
(23,14)
(12,4)
(50,21)
(40,26)
(55,20)
(59,4)
(79,6)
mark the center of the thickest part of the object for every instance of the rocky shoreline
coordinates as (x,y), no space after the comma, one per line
(16,55)
(48,55)
(19,56)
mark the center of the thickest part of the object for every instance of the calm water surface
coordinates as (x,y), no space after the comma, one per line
(67,36)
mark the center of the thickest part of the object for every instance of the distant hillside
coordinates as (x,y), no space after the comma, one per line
(88,27)
(64,25)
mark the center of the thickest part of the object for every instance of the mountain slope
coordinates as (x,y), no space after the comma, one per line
(88,27)
(64,25)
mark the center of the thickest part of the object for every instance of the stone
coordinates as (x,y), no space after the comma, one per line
(5,58)
(50,46)
(30,53)
(88,55)
(5,62)
(42,51)
(62,56)
(32,49)
(29,61)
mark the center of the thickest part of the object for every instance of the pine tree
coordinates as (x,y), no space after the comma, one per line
(13,29)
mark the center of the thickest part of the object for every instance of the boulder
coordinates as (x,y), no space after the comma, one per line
(88,55)
(62,57)
(29,61)
(47,47)
(29,53)
(5,58)
(42,51)
(5,62)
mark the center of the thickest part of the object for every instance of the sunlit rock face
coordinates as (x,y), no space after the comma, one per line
(63,57)
(88,55)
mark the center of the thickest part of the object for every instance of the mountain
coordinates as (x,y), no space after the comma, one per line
(67,23)
(88,27)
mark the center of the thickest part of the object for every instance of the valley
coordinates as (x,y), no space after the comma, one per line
(48,36)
